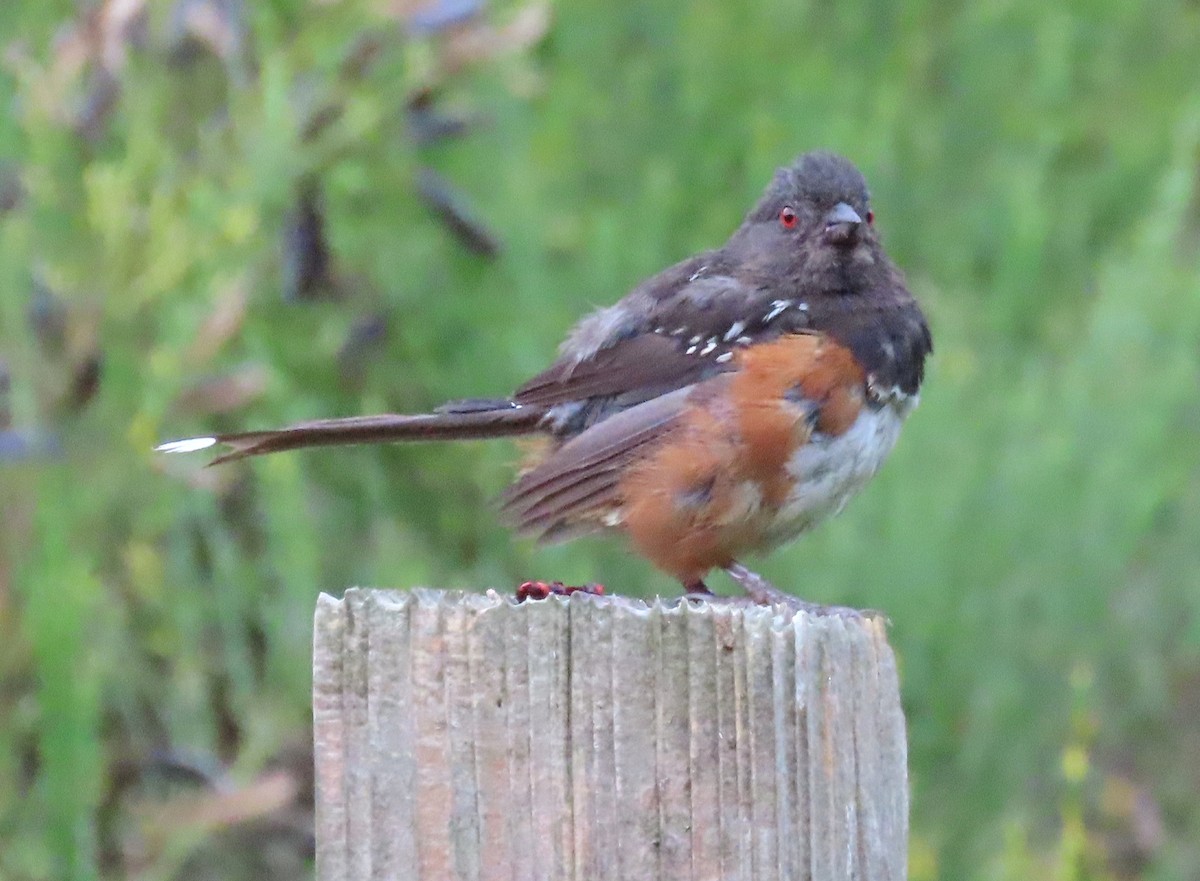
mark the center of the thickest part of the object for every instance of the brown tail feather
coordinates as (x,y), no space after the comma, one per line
(502,421)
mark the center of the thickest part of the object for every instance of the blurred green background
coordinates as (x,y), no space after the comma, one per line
(218,214)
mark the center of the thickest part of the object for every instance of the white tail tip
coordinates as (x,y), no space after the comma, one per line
(189,445)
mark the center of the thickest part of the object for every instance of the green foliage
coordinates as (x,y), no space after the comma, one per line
(1035,169)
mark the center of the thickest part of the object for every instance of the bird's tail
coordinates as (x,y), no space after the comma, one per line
(460,420)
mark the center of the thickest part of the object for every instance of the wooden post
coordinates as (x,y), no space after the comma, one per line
(465,736)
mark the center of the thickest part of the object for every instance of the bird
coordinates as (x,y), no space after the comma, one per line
(724,406)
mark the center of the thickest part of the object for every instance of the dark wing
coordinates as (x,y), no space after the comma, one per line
(672,332)
(569,492)
(649,363)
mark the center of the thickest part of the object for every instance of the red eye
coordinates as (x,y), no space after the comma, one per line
(788,218)
(870,217)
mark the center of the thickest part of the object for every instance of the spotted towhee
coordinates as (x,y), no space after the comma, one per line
(726,405)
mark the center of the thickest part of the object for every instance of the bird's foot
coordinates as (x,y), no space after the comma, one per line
(539,590)
(764,593)
(697,591)
(758,588)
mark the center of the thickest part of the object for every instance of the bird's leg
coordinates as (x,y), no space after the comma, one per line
(758,588)
(765,593)
(539,590)
(697,590)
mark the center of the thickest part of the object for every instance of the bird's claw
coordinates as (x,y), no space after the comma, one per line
(539,590)
(762,592)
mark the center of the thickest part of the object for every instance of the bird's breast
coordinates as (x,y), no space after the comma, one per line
(760,455)
(830,469)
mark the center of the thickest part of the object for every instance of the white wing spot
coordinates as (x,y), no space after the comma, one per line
(679,331)
(695,339)
(695,275)
(709,346)
(735,329)
(777,309)
(724,356)
(744,340)
(691,350)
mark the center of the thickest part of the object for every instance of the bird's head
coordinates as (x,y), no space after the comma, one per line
(816,216)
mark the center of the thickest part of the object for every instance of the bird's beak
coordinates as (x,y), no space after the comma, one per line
(842,225)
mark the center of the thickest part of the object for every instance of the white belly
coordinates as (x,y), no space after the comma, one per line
(829,470)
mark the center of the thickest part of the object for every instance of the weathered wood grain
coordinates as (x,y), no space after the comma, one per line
(464,737)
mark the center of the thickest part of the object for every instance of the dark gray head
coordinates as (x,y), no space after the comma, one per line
(811,239)
(821,197)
